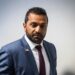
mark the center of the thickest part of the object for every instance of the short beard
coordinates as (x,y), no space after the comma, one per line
(33,40)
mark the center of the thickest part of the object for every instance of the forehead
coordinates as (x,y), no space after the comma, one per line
(36,17)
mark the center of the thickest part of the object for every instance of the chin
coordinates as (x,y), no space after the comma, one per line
(37,41)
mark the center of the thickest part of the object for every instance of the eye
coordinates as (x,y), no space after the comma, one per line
(43,26)
(34,25)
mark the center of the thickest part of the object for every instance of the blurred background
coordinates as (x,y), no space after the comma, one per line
(61,27)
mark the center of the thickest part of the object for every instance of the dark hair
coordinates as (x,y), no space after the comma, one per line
(35,10)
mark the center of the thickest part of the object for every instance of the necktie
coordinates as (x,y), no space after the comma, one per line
(41,61)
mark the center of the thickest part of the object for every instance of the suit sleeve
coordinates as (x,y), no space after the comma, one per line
(5,63)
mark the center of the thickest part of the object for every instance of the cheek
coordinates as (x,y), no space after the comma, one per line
(44,30)
(29,30)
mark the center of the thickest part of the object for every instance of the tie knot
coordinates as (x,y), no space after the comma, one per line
(38,47)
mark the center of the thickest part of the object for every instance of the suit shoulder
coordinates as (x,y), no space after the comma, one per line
(12,46)
(49,44)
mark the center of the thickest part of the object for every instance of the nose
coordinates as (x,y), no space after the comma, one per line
(38,29)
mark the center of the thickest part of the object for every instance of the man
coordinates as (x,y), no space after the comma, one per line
(30,55)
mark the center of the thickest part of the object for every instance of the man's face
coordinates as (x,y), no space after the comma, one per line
(36,27)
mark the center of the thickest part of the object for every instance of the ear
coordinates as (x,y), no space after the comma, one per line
(24,26)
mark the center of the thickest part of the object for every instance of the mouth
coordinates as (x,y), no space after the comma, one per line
(38,36)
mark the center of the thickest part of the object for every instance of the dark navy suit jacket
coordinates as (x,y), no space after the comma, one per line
(17,59)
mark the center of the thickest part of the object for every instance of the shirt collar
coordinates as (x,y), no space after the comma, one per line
(31,44)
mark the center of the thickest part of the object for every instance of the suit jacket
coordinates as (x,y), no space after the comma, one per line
(16,58)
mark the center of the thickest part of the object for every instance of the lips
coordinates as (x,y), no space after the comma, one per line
(39,36)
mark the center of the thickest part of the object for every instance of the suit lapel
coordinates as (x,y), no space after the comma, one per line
(47,49)
(30,57)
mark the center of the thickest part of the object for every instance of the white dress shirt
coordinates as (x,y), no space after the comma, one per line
(36,56)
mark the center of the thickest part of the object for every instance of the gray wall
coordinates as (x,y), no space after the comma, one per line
(61,27)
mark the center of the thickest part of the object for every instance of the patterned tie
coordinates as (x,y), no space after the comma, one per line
(42,70)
